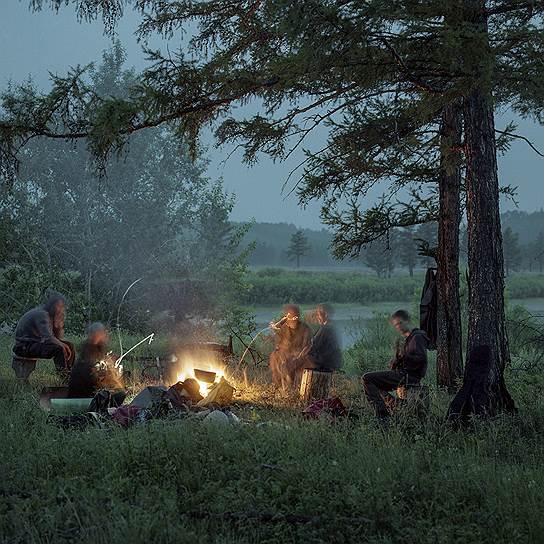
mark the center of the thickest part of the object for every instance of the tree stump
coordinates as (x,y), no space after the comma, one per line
(315,384)
(414,399)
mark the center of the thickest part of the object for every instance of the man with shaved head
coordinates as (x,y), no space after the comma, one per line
(291,337)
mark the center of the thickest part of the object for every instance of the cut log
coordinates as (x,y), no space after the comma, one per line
(315,384)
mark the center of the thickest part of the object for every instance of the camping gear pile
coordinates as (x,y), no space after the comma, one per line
(181,400)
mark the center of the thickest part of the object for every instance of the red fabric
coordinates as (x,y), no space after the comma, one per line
(332,406)
(125,415)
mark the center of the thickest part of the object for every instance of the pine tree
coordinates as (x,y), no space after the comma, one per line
(538,251)
(407,249)
(298,247)
(380,258)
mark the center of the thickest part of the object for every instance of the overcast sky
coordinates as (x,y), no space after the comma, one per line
(35,43)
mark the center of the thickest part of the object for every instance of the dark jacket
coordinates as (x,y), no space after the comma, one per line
(86,378)
(412,357)
(36,326)
(325,349)
(428,308)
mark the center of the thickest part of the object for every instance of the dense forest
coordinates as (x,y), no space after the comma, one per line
(156,221)
(523,235)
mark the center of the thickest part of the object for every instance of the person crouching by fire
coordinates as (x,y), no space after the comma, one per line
(291,337)
(40,335)
(95,367)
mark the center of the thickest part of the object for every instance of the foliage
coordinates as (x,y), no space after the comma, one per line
(269,239)
(275,286)
(22,287)
(155,220)
(354,70)
(380,257)
(512,250)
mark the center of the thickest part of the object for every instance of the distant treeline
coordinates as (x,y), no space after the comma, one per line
(277,286)
(523,246)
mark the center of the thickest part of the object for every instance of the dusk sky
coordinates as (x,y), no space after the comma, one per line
(35,43)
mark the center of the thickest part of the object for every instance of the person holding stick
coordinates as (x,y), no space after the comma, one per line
(324,351)
(291,337)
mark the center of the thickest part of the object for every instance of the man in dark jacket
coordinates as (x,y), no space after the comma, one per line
(324,351)
(408,367)
(39,335)
(94,368)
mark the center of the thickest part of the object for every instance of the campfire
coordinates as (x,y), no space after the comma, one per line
(204,372)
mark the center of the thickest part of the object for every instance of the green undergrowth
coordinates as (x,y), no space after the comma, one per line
(272,286)
(346,482)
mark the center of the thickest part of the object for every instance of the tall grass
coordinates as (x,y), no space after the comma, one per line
(277,286)
(419,482)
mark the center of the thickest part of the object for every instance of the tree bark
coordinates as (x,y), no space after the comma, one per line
(486,316)
(449,363)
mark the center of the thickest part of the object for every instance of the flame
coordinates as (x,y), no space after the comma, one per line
(187,370)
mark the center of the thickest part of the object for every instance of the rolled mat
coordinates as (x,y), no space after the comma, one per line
(69,406)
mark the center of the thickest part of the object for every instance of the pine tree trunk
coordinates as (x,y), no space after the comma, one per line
(486,316)
(449,363)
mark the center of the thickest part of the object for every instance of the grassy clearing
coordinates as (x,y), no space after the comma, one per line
(416,483)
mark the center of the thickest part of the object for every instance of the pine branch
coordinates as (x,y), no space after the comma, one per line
(512,6)
(520,137)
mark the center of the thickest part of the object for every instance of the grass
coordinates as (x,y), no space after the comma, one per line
(418,482)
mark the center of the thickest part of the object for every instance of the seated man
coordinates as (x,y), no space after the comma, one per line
(39,335)
(95,367)
(292,336)
(408,367)
(324,351)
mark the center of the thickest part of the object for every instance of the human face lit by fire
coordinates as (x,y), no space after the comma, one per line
(99,337)
(322,316)
(292,320)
